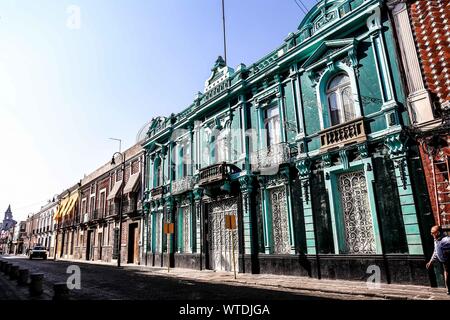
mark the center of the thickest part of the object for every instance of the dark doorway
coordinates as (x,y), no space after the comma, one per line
(100,243)
(89,245)
(133,243)
(61,253)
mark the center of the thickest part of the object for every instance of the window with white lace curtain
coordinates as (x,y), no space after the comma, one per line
(340,100)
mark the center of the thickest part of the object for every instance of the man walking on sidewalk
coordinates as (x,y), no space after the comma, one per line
(441,253)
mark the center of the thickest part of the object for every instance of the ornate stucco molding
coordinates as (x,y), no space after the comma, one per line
(395,5)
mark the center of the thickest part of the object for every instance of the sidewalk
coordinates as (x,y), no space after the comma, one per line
(307,285)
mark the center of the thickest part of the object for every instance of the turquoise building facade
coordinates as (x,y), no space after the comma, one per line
(306,150)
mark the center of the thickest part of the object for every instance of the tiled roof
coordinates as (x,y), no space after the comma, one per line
(431,23)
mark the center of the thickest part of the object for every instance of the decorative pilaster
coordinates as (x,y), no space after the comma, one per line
(193,223)
(285,173)
(304,170)
(190,164)
(247,204)
(170,218)
(381,60)
(198,193)
(178,216)
(146,234)
(397,148)
(171,165)
(244,125)
(265,203)
(296,93)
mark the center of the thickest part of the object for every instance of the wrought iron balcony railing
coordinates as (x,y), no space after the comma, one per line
(113,209)
(182,185)
(271,156)
(97,214)
(343,134)
(68,223)
(216,172)
(128,207)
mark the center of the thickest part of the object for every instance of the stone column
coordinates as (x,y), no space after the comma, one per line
(420,109)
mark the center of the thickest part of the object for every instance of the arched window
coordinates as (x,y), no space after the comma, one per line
(340,100)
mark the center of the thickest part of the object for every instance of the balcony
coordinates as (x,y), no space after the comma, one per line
(129,207)
(271,157)
(182,185)
(216,173)
(68,223)
(113,209)
(97,214)
(156,193)
(343,134)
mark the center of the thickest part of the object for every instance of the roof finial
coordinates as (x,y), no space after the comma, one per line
(219,63)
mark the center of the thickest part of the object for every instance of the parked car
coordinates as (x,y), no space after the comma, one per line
(38,252)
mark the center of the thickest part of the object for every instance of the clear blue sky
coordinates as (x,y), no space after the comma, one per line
(64,92)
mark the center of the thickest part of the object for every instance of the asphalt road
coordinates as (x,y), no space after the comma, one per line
(103,282)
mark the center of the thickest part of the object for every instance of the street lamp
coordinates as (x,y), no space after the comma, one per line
(113,162)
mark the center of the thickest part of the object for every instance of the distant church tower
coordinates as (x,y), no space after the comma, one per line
(8,221)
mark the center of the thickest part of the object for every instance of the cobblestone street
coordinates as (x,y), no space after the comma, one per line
(107,282)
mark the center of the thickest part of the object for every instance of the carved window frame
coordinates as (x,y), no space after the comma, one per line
(332,70)
(339,90)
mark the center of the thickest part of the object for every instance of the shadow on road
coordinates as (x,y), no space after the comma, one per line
(105,282)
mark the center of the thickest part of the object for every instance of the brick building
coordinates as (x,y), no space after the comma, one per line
(100,201)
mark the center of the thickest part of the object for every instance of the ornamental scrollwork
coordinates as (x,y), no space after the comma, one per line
(246,183)
(396,145)
(304,167)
